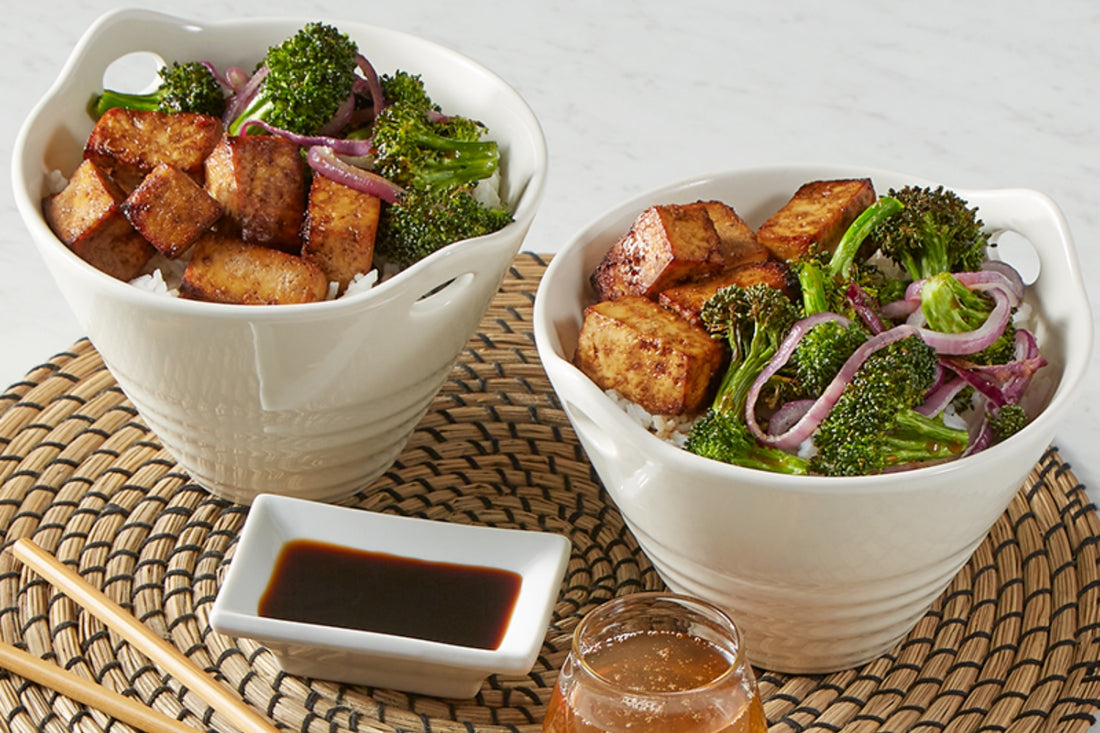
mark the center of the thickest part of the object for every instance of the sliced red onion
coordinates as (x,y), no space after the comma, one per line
(373,86)
(865,306)
(322,159)
(236,78)
(340,118)
(1010,273)
(899,309)
(339,145)
(795,435)
(788,414)
(940,397)
(240,101)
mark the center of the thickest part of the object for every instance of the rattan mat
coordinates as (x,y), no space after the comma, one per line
(1014,643)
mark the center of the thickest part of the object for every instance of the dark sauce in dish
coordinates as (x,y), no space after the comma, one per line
(321,583)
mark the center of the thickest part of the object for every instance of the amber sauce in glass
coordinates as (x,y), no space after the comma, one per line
(654,663)
(321,583)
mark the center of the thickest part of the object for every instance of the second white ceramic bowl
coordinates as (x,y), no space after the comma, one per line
(311,400)
(820,573)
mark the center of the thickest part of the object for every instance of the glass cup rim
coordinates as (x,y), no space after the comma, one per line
(735,663)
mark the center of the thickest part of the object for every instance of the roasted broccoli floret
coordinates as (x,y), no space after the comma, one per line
(724,436)
(187,87)
(934,232)
(438,160)
(1006,421)
(821,353)
(424,220)
(418,151)
(406,88)
(873,425)
(951,307)
(307,79)
(753,320)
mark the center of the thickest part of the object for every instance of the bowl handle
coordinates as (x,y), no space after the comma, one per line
(617,439)
(1037,218)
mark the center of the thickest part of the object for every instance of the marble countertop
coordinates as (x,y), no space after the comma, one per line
(636,95)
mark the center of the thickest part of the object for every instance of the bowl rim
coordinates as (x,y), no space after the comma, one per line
(660,451)
(437,264)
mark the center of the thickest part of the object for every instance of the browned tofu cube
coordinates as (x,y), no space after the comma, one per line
(667,245)
(648,354)
(341,223)
(816,217)
(735,237)
(260,182)
(228,270)
(687,300)
(170,210)
(128,144)
(85,215)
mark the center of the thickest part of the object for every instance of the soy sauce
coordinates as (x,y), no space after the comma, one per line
(320,583)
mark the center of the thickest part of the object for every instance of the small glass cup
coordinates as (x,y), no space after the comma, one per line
(656,662)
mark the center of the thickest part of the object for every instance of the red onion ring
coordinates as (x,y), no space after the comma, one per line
(323,159)
(339,145)
(239,101)
(373,84)
(794,436)
(971,342)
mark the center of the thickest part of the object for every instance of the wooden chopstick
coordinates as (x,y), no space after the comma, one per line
(126,709)
(118,619)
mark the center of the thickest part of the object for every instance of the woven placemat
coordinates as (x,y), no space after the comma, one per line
(1014,643)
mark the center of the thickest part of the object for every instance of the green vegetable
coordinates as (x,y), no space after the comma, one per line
(822,352)
(934,232)
(951,307)
(187,87)
(439,161)
(754,321)
(724,436)
(309,76)
(416,151)
(873,426)
(423,221)
(1006,421)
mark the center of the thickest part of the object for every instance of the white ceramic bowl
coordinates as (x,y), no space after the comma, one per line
(820,573)
(311,400)
(385,660)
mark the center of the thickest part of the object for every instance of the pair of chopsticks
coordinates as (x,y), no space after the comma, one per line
(118,619)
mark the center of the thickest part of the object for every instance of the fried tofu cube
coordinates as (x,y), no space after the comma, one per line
(260,182)
(666,245)
(229,270)
(648,354)
(687,300)
(736,238)
(86,216)
(816,217)
(341,224)
(128,144)
(170,210)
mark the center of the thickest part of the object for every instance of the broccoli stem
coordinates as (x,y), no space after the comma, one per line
(916,438)
(111,99)
(811,281)
(841,262)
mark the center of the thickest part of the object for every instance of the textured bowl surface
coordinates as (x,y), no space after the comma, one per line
(820,573)
(385,660)
(310,400)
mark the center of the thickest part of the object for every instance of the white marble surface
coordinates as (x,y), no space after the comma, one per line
(634,95)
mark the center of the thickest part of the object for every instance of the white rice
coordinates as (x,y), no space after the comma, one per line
(670,428)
